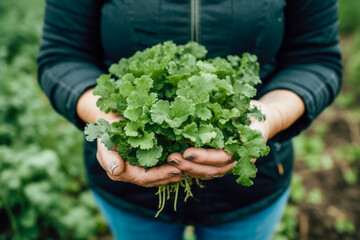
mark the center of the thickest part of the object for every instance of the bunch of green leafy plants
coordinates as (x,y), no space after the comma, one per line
(172,98)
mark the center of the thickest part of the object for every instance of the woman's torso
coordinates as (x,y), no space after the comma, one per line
(224,27)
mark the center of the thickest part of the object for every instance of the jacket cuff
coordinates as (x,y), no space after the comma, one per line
(76,78)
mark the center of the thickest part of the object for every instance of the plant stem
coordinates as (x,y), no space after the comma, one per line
(164,192)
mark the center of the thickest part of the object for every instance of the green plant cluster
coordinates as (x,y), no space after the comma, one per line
(172,99)
(43,193)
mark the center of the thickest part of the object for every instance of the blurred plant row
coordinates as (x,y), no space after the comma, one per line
(315,149)
(43,192)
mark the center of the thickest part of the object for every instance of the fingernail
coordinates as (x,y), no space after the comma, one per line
(175,173)
(113,165)
(174,162)
(190,157)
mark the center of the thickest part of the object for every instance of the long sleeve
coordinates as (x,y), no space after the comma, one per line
(309,59)
(70,54)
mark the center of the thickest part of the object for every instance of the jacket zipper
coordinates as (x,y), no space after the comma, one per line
(195,20)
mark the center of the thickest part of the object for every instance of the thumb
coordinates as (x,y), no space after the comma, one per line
(110,160)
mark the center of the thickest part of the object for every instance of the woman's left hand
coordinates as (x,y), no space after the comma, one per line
(207,164)
(202,163)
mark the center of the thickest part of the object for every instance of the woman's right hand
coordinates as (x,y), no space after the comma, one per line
(116,168)
(119,170)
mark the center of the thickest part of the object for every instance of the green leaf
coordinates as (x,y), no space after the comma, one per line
(132,129)
(182,109)
(93,131)
(150,157)
(194,49)
(244,168)
(143,142)
(206,133)
(241,103)
(138,99)
(143,84)
(200,136)
(106,89)
(244,89)
(126,89)
(227,115)
(160,111)
(174,114)
(203,112)
(256,113)
(133,114)
(232,145)
(105,139)
(218,141)
(253,141)
(206,67)
(191,132)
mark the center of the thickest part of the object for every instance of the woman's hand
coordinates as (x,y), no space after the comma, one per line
(119,170)
(207,164)
(281,107)
(268,126)
(110,160)
(202,163)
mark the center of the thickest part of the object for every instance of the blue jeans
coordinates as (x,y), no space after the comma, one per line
(126,226)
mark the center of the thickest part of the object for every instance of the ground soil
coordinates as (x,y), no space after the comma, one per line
(339,199)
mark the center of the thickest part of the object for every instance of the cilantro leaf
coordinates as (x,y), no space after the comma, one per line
(199,135)
(93,131)
(132,129)
(256,113)
(218,141)
(244,89)
(232,145)
(143,142)
(253,141)
(203,112)
(105,139)
(244,168)
(174,114)
(150,157)
(106,89)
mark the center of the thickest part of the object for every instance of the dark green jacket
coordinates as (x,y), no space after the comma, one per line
(297,45)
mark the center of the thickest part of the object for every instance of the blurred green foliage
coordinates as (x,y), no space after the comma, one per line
(344,226)
(43,193)
(288,227)
(314,196)
(349,16)
(298,191)
(349,11)
(310,147)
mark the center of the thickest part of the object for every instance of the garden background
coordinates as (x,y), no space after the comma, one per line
(43,192)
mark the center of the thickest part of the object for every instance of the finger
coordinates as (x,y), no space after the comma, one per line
(164,182)
(173,178)
(202,171)
(141,177)
(110,160)
(211,157)
(222,171)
